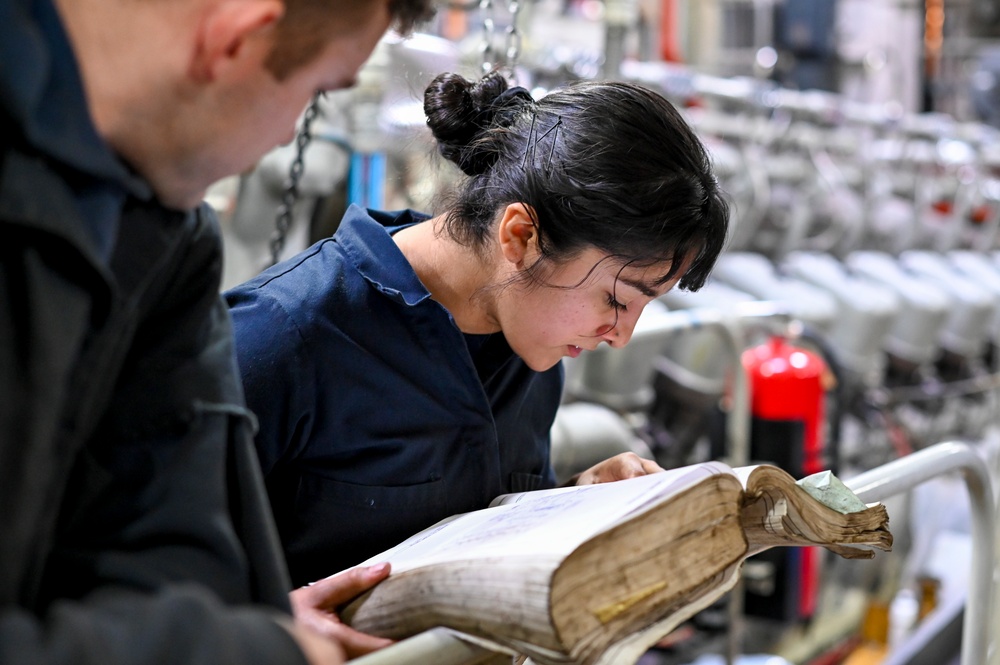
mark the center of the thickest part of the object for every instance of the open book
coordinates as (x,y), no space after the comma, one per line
(600,573)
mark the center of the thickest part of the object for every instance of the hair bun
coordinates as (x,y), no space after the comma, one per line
(506,106)
(459,110)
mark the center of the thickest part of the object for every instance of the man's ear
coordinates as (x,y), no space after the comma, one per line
(226,29)
(517,234)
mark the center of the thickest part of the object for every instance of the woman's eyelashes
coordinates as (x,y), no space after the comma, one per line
(615,305)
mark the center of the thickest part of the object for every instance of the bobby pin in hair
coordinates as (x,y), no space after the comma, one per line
(538,139)
(527,144)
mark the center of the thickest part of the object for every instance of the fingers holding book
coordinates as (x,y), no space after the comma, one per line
(619,467)
(316,606)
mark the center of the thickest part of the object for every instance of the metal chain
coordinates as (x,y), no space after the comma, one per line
(486,48)
(513,44)
(283,221)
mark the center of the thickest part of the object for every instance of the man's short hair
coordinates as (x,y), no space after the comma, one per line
(305,29)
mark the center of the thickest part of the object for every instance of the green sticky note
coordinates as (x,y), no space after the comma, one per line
(828,490)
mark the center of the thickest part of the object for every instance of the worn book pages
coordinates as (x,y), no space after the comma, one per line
(779,511)
(544,522)
(599,573)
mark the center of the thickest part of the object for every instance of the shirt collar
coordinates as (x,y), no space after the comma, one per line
(366,238)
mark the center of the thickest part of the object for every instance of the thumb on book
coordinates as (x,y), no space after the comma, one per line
(619,467)
(316,606)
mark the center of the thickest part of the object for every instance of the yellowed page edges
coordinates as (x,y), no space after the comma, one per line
(609,612)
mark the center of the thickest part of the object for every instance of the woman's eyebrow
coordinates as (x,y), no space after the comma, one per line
(641,287)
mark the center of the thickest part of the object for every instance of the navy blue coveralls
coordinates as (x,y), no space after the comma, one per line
(378,417)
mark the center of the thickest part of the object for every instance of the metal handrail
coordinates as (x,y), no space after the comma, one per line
(904,474)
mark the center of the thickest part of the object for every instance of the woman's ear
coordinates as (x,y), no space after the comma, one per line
(517,234)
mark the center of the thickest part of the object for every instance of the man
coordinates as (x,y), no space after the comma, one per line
(133,526)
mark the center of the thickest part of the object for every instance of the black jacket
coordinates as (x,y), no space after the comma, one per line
(133,524)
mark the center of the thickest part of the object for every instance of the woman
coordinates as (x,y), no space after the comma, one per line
(408,368)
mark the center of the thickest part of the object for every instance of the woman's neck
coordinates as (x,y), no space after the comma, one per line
(455,275)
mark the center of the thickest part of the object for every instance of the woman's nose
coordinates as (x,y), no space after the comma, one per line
(618,333)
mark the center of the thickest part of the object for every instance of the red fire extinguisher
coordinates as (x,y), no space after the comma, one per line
(788,429)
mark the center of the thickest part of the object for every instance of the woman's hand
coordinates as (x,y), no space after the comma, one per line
(619,467)
(315,606)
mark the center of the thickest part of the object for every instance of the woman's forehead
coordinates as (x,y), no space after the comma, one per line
(646,277)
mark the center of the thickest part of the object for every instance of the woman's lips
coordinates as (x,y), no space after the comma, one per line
(574,351)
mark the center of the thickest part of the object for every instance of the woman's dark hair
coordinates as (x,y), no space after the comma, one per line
(608,165)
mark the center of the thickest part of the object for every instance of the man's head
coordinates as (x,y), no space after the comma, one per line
(304,29)
(191,91)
